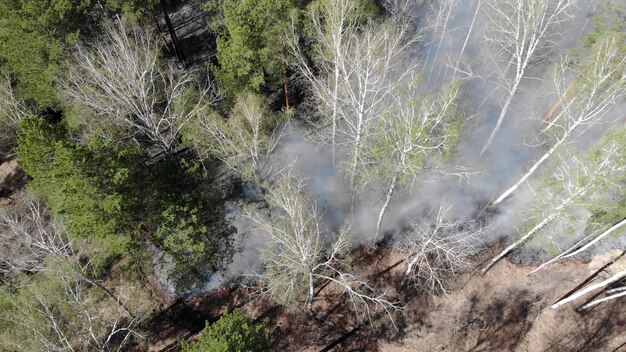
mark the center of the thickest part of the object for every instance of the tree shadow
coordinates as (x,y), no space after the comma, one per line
(500,325)
(593,331)
(13,182)
(186,317)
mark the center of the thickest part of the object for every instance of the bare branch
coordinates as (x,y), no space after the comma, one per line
(123,82)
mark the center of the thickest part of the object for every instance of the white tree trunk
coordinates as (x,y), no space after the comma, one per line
(334,116)
(534,230)
(355,155)
(381,215)
(443,33)
(534,168)
(309,299)
(604,234)
(410,268)
(600,300)
(469,33)
(505,109)
(583,292)
(572,251)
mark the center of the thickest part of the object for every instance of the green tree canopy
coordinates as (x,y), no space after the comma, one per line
(33,34)
(234,332)
(105,193)
(251,50)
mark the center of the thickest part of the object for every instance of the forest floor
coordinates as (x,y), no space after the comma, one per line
(505,310)
(12,180)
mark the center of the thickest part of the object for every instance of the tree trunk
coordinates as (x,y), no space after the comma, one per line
(381,215)
(604,234)
(409,270)
(572,251)
(534,230)
(618,276)
(286,88)
(309,299)
(505,109)
(443,32)
(547,120)
(355,156)
(469,32)
(532,170)
(170,29)
(334,116)
(607,298)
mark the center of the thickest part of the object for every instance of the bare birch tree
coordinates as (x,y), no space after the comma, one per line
(584,244)
(358,73)
(519,31)
(333,22)
(56,311)
(300,253)
(600,86)
(616,277)
(575,181)
(128,89)
(436,249)
(28,237)
(12,110)
(243,141)
(415,134)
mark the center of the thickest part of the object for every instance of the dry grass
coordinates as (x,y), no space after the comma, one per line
(505,310)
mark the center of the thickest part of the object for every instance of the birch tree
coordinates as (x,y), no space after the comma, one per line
(56,311)
(600,85)
(575,182)
(243,141)
(333,23)
(612,293)
(436,248)
(130,92)
(301,253)
(606,216)
(379,59)
(12,110)
(29,237)
(520,31)
(413,135)
(58,306)
(359,74)
(443,12)
(32,237)
(584,244)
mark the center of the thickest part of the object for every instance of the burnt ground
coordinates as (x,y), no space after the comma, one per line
(505,310)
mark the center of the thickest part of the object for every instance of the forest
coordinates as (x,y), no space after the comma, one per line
(312,175)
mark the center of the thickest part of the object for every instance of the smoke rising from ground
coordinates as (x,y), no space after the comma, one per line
(517,144)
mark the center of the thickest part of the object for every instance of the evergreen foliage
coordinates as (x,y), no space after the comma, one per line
(251,50)
(33,34)
(104,193)
(233,332)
